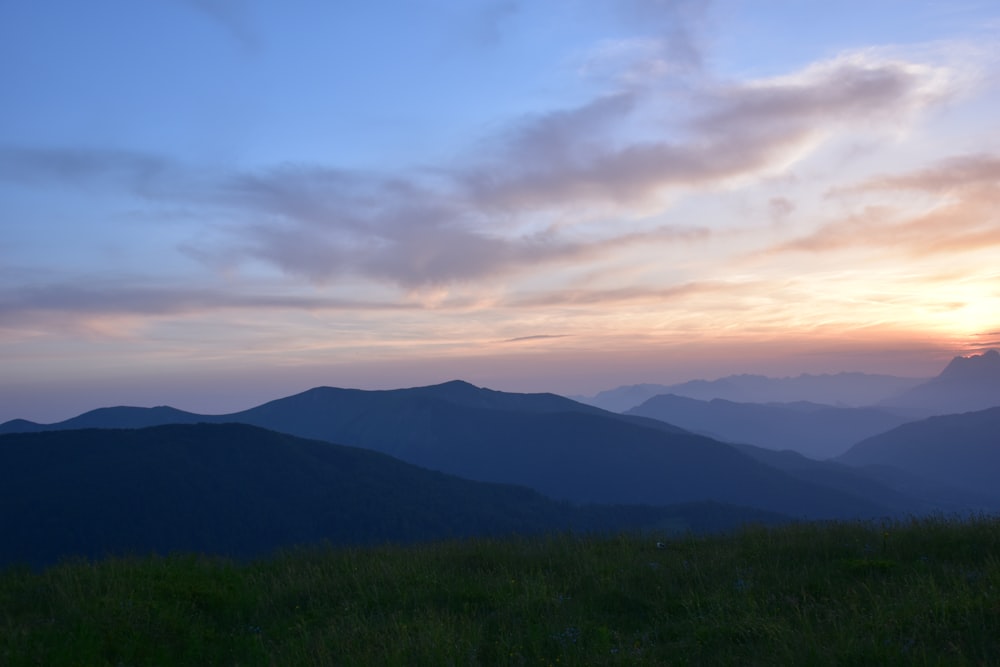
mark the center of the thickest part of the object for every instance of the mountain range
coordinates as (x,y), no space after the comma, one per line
(454,459)
(815,430)
(841,389)
(960,450)
(243,491)
(565,450)
(966,384)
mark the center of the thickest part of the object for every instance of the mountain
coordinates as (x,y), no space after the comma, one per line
(817,431)
(841,389)
(560,448)
(239,490)
(961,450)
(456,392)
(901,492)
(966,384)
(116,417)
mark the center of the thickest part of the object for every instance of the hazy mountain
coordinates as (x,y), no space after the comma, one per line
(841,389)
(960,450)
(558,447)
(117,417)
(966,384)
(902,492)
(239,490)
(455,392)
(817,431)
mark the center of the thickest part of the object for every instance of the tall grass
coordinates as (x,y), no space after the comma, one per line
(922,592)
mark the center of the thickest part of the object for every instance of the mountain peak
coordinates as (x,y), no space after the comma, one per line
(976,368)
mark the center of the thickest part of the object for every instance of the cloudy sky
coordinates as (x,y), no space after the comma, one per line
(211,203)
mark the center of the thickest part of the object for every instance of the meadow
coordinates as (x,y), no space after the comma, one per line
(917,592)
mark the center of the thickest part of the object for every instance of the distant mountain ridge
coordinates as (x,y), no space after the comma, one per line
(966,384)
(238,490)
(841,389)
(563,449)
(958,450)
(815,430)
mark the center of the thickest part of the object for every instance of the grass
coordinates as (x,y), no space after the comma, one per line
(921,592)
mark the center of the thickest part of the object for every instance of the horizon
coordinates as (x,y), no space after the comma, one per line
(232,406)
(210,204)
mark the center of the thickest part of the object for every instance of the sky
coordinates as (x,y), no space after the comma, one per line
(214,203)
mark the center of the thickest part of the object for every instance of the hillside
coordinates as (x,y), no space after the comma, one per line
(239,490)
(840,389)
(817,431)
(563,449)
(560,448)
(960,450)
(966,384)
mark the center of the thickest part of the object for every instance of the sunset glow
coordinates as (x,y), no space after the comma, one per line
(211,203)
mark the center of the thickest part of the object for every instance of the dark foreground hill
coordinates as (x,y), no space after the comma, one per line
(242,491)
(817,431)
(563,449)
(952,450)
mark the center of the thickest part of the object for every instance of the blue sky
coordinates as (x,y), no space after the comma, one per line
(210,203)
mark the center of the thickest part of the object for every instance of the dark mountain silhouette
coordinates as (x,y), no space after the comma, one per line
(238,490)
(841,389)
(585,455)
(817,431)
(558,447)
(966,384)
(901,492)
(117,417)
(960,450)
(456,392)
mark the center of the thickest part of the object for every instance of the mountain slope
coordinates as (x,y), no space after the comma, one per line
(116,417)
(847,389)
(956,450)
(560,448)
(311,408)
(239,490)
(585,455)
(966,384)
(817,431)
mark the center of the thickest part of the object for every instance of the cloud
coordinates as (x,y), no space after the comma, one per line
(678,24)
(586,156)
(491,19)
(961,215)
(233,16)
(521,339)
(604,297)
(21,305)
(518,205)
(960,172)
(410,236)
(852,88)
(780,208)
(134,171)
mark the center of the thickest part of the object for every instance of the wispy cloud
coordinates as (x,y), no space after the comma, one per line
(23,306)
(491,18)
(523,339)
(133,171)
(518,209)
(584,157)
(961,214)
(233,16)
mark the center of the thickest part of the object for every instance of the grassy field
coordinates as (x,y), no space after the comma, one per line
(924,592)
